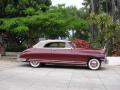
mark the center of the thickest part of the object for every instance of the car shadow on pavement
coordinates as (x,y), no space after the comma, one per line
(51,66)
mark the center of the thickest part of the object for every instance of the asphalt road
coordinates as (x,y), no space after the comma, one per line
(20,76)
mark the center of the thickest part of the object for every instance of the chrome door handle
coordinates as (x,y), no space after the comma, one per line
(53,50)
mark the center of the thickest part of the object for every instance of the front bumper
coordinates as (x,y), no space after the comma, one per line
(105,61)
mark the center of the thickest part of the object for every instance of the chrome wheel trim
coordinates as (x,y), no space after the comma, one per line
(34,63)
(94,64)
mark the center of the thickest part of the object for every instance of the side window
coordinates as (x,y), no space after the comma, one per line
(55,45)
(51,45)
(61,45)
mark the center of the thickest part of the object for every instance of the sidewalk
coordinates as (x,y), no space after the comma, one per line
(20,76)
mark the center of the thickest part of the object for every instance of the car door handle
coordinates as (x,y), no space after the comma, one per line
(54,50)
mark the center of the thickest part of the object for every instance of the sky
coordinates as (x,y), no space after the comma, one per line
(77,3)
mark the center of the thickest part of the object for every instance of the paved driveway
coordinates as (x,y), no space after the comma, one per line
(20,76)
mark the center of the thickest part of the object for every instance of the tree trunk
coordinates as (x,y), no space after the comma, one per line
(95,6)
(113,10)
(2,47)
(107,11)
(95,10)
(118,6)
(92,6)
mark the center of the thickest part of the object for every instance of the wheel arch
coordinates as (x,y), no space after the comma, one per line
(92,68)
(92,57)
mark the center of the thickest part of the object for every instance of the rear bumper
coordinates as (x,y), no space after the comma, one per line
(20,59)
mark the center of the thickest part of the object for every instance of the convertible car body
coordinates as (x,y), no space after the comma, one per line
(63,52)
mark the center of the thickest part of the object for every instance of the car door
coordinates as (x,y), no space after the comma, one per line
(62,54)
(41,53)
(59,52)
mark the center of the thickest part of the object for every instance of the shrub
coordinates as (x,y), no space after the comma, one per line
(116,51)
(15,48)
(81,43)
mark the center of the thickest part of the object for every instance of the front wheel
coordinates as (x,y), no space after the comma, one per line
(34,64)
(94,64)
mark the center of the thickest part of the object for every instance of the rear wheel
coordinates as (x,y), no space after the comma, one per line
(94,64)
(34,64)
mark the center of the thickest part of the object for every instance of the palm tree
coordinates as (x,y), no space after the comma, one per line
(118,6)
(113,10)
(94,4)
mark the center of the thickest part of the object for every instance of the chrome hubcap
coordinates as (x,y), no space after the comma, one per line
(34,63)
(94,64)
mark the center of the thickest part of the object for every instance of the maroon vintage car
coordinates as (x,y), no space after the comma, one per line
(62,52)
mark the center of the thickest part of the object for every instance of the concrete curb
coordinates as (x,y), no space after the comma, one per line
(12,53)
(113,60)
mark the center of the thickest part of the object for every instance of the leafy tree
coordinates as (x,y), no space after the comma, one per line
(54,23)
(14,23)
(16,8)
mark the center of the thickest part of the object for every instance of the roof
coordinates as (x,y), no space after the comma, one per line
(41,44)
(55,40)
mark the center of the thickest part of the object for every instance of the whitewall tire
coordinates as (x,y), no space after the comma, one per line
(94,64)
(34,64)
